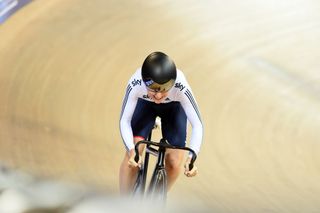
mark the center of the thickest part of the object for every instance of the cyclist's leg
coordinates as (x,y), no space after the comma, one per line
(128,175)
(174,159)
(174,127)
(142,123)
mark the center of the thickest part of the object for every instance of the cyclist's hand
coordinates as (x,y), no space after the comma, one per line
(194,170)
(132,163)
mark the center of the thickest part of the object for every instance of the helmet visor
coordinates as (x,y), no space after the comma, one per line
(155,87)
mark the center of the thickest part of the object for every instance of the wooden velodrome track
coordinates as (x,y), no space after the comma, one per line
(253,66)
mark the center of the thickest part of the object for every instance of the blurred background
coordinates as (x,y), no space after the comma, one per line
(253,66)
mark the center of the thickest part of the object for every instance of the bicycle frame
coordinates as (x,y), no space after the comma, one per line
(159,167)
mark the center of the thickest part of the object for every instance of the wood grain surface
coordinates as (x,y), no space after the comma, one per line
(253,66)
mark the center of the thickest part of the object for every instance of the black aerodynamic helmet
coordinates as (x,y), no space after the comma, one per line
(158,72)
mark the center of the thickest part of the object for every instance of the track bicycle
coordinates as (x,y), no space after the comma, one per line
(157,188)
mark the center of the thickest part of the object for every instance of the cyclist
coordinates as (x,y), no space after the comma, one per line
(158,89)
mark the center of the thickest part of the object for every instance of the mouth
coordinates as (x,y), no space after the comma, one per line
(155,98)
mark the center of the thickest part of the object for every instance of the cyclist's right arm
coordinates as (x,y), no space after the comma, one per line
(128,106)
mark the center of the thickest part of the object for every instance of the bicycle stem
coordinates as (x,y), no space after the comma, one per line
(164,144)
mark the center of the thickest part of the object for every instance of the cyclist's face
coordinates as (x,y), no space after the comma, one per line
(158,97)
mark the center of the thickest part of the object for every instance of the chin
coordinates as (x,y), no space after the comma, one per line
(158,101)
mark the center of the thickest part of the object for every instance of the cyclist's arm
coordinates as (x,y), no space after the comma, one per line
(190,106)
(128,107)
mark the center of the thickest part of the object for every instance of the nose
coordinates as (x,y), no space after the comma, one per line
(158,95)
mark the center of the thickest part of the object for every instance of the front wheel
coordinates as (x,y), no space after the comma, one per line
(158,186)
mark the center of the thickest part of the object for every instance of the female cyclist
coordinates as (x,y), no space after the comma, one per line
(158,89)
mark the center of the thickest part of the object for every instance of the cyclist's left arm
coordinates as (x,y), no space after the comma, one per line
(190,106)
(191,109)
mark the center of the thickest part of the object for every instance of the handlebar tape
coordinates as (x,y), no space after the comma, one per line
(136,158)
(190,166)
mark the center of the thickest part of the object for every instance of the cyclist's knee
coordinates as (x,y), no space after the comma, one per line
(142,146)
(173,161)
(172,166)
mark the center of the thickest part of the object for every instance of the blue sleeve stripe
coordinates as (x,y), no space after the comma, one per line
(193,102)
(125,100)
(125,145)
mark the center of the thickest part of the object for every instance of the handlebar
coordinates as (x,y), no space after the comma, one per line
(164,144)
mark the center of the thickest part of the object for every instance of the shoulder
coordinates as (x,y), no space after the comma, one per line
(181,83)
(135,86)
(183,89)
(136,79)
